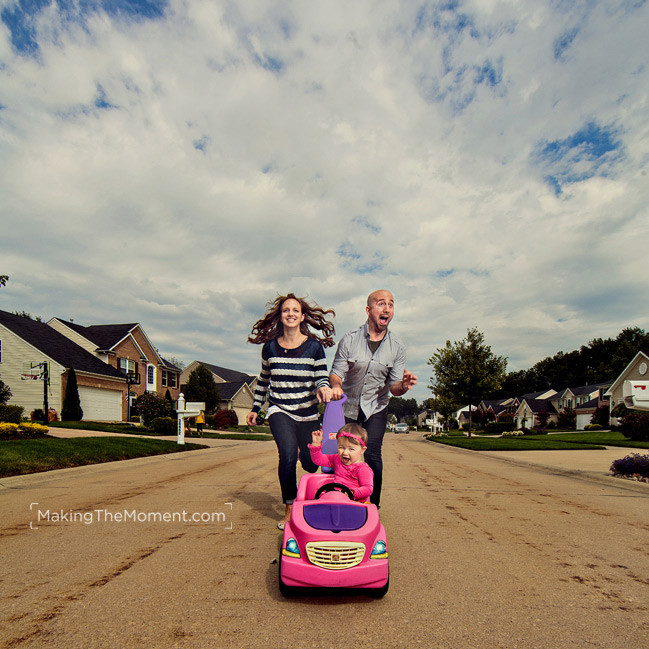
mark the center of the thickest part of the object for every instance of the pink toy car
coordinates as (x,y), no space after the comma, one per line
(332,541)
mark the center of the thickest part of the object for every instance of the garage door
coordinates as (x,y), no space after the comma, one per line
(583,421)
(100,405)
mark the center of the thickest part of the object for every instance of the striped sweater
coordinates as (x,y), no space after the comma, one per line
(289,379)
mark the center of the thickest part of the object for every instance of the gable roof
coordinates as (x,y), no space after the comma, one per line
(229,389)
(56,346)
(229,376)
(540,405)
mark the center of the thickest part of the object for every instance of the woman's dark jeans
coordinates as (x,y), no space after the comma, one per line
(375,427)
(292,438)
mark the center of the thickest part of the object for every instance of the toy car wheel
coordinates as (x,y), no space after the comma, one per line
(334,486)
(377,593)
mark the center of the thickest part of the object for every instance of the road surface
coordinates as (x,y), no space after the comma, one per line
(486,552)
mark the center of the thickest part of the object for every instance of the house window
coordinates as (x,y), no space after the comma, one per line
(150,378)
(126,365)
(164,378)
(173,379)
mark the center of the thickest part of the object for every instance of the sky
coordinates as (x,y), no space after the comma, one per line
(181,163)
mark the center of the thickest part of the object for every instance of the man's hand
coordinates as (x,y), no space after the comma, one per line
(336,387)
(408,382)
(316,437)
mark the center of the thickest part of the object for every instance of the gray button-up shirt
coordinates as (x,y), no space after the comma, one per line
(367,377)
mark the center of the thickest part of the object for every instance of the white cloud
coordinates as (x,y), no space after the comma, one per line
(184,169)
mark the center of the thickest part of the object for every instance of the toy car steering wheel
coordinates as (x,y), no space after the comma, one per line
(334,486)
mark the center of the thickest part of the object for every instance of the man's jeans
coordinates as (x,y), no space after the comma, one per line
(375,427)
(292,438)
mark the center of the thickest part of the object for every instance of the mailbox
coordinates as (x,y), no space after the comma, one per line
(636,394)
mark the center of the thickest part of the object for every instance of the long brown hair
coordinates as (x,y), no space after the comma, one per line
(270,326)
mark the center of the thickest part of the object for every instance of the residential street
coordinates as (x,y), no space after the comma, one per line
(486,551)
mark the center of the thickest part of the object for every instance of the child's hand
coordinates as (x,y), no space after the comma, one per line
(316,437)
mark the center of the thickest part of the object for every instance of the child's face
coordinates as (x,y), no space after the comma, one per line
(349,452)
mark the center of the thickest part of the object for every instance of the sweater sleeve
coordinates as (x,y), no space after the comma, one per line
(320,458)
(320,368)
(365,482)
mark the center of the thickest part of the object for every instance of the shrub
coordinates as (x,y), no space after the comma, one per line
(634,464)
(8,429)
(11,414)
(71,410)
(601,416)
(536,431)
(26,430)
(635,426)
(149,406)
(593,427)
(261,418)
(163,426)
(499,427)
(225,419)
(5,393)
(513,433)
(567,419)
(552,424)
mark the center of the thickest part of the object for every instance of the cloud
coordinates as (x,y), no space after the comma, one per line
(182,163)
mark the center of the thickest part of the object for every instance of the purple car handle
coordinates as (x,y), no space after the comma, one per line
(332,422)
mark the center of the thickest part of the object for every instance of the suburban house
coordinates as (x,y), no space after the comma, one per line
(127,348)
(236,389)
(26,343)
(499,407)
(431,416)
(636,370)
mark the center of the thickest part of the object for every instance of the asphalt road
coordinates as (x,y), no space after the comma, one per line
(486,551)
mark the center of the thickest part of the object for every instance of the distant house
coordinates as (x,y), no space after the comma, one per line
(636,370)
(236,389)
(584,400)
(430,416)
(25,343)
(127,348)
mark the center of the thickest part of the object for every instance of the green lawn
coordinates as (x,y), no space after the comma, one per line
(569,441)
(18,457)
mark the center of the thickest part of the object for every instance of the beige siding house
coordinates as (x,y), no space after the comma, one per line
(636,370)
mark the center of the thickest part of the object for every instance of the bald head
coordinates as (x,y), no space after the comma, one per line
(375,296)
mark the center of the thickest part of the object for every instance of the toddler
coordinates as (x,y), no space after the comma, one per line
(349,468)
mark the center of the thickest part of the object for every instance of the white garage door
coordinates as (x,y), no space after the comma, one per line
(583,421)
(100,405)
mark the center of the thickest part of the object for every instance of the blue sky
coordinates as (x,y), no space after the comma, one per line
(181,163)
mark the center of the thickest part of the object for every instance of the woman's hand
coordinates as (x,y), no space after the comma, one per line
(324,394)
(251,419)
(316,437)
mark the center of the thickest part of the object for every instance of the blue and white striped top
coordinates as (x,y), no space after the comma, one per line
(289,379)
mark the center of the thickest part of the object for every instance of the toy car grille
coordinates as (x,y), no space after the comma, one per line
(335,555)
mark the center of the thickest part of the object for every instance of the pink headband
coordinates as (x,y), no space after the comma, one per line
(344,433)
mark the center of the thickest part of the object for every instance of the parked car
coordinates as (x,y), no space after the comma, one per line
(332,541)
(402,428)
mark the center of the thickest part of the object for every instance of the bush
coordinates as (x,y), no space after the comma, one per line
(5,393)
(71,410)
(552,424)
(600,416)
(163,426)
(225,419)
(499,427)
(26,430)
(536,431)
(567,419)
(149,406)
(634,464)
(593,427)
(11,414)
(513,433)
(261,418)
(635,426)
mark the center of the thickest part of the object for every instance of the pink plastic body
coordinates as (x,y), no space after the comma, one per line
(301,572)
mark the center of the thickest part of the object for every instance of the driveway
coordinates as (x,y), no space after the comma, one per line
(486,551)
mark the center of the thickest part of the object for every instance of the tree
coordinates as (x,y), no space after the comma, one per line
(5,393)
(71,410)
(402,408)
(467,370)
(202,387)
